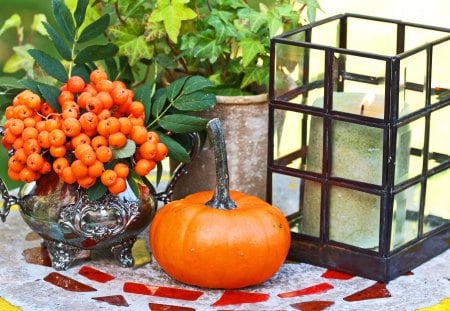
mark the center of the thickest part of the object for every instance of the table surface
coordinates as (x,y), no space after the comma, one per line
(23,285)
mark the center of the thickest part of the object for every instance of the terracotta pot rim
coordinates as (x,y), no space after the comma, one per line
(243,99)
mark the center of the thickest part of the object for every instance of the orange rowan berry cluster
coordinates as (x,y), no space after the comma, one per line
(96,118)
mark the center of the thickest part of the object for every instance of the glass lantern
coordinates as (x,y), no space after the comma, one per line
(359,154)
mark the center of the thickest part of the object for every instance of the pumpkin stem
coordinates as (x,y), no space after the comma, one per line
(221,198)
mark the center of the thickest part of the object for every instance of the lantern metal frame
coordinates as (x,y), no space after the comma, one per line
(383,264)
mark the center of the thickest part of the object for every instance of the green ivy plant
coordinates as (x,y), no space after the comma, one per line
(82,47)
(227,41)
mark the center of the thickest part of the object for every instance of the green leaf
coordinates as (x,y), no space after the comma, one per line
(94,29)
(96,52)
(64,19)
(80,12)
(37,25)
(9,83)
(111,66)
(19,60)
(12,22)
(59,43)
(172,13)
(197,101)
(82,71)
(196,83)
(176,151)
(131,41)
(134,180)
(251,48)
(181,123)
(126,151)
(96,191)
(30,85)
(258,75)
(49,64)
(50,93)
(159,102)
(174,89)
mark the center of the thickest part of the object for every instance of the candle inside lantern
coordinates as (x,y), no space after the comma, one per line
(356,154)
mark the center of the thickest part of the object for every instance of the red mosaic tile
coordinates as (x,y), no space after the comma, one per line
(316,305)
(378,290)
(115,300)
(332,274)
(315,289)
(161,291)
(38,256)
(95,275)
(67,283)
(163,307)
(233,297)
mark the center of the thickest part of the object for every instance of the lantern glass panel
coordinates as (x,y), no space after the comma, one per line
(360,29)
(291,74)
(354,217)
(412,96)
(326,34)
(417,36)
(310,209)
(440,72)
(356,152)
(409,151)
(288,150)
(437,201)
(405,217)
(439,128)
(286,196)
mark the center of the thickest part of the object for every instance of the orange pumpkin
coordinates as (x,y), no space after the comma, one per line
(215,248)
(231,241)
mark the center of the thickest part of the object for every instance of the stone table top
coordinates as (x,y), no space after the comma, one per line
(296,286)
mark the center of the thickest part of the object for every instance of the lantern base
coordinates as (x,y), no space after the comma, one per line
(368,264)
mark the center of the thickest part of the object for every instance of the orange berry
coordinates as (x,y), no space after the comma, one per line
(117,140)
(9,112)
(18,143)
(79,169)
(9,137)
(71,127)
(143,167)
(65,96)
(122,170)
(40,125)
(22,112)
(90,88)
(153,137)
(97,75)
(75,84)
(27,175)
(81,148)
(15,164)
(98,141)
(104,154)
(44,139)
(58,151)
(136,108)
(57,137)
(88,121)
(52,124)
(86,181)
(161,152)
(21,156)
(82,99)
(30,132)
(70,113)
(125,125)
(46,168)
(30,122)
(46,109)
(59,164)
(94,105)
(105,98)
(138,134)
(16,126)
(35,161)
(88,157)
(80,139)
(31,146)
(68,176)
(96,169)
(147,150)
(104,85)
(108,177)
(118,186)
(119,95)
(70,104)
(13,175)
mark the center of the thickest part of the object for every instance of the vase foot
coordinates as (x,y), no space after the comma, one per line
(62,255)
(122,252)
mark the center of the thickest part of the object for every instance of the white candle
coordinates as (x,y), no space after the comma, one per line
(356,154)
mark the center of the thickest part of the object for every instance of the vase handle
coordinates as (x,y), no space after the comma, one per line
(165,196)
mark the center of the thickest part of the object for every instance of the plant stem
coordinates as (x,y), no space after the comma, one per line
(221,198)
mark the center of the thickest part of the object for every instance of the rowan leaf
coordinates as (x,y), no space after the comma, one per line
(94,29)
(49,64)
(96,52)
(61,46)
(64,19)
(182,123)
(176,151)
(197,101)
(80,12)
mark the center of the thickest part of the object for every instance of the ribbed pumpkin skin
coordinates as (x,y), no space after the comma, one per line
(207,247)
